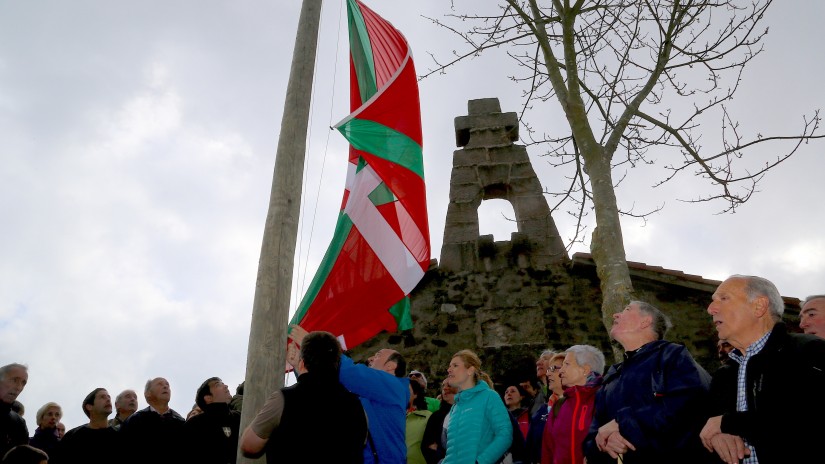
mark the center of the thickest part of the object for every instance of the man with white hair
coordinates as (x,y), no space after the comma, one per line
(651,406)
(780,378)
(13,430)
(126,404)
(812,316)
(154,434)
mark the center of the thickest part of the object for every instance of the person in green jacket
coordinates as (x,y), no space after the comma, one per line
(417,417)
(479,429)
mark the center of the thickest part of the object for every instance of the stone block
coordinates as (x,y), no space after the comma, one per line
(461,232)
(492,137)
(490,174)
(463,212)
(511,326)
(483,106)
(448,308)
(521,170)
(464,175)
(526,186)
(465,192)
(531,208)
(514,154)
(469,157)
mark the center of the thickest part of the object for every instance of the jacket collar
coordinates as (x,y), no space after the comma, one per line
(467,394)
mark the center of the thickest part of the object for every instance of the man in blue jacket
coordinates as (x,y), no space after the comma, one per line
(651,406)
(384,390)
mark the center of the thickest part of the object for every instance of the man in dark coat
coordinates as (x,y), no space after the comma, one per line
(769,407)
(94,443)
(212,436)
(13,430)
(651,406)
(154,434)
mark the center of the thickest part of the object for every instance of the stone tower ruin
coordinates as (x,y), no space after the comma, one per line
(490,166)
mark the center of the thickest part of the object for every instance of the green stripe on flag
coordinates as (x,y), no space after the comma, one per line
(342,230)
(384,142)
(381,195)
(401,313)
(361,52)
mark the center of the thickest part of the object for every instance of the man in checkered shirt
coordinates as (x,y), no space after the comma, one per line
(771,408)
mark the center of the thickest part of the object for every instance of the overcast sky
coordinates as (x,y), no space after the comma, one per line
(138,138)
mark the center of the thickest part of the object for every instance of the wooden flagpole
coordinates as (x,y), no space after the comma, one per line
(267,336)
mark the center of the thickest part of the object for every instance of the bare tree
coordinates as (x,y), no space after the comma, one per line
(623,72)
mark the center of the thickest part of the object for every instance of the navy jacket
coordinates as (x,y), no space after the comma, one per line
(659,397)
(785,381)
(13,430)
(212,436)
(155,438)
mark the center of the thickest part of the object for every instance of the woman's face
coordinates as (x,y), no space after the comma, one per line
(50,418)
(553,381)
(572,373)
(512,398)
(459,375)
(448,391)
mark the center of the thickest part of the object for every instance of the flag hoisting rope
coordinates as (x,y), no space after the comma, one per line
(381,246)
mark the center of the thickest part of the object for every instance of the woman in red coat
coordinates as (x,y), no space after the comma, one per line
(569,420)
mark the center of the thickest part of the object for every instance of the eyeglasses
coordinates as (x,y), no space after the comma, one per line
(553,368)
(414,375)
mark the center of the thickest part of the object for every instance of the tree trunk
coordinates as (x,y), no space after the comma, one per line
(606,245)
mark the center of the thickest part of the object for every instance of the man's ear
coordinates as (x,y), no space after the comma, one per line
(760,306)
(647,321)
(390,366)
(208,398)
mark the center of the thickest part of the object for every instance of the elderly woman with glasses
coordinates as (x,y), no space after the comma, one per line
(539,419)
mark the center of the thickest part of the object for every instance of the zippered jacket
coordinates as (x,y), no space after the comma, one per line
(480,430)
(568,425)
(385,398)
(784,385)
(659,396)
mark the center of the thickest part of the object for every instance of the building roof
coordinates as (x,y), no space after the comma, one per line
(670,276)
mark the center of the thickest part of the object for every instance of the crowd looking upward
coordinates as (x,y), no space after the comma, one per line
(657,405)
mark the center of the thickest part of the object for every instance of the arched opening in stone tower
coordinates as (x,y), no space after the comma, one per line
(497,217)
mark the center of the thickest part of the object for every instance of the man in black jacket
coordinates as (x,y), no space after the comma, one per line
(94,443)
(770,411)
(13,430)
(212,436)
(154,434)
(287,428)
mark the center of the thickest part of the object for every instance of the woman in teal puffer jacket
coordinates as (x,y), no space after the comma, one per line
(479,429)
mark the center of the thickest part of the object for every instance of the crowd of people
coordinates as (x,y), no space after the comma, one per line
(655,406)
